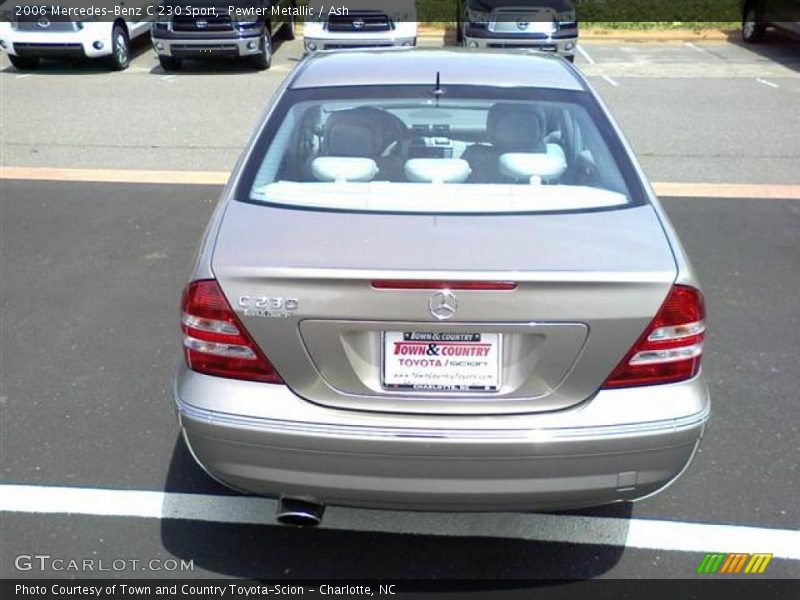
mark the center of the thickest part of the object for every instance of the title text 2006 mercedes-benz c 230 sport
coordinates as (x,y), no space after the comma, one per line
(440,280)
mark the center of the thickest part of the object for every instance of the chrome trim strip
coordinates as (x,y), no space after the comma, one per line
(213,418)
(521,277)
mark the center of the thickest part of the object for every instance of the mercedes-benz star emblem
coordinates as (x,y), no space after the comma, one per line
(44,22)
(202,24)
(443,305)
(358,24)
(522,25)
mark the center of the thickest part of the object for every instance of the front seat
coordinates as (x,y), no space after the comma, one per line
(365,132)
(509,128)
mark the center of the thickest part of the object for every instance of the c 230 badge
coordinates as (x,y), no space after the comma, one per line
(266,306)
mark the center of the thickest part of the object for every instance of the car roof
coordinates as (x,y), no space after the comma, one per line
(415,66)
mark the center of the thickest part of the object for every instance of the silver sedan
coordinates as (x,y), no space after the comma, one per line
(439,280)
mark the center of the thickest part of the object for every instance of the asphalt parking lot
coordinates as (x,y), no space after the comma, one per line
(91,279)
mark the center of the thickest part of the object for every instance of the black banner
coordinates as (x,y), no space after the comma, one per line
(603,589)
(425,11)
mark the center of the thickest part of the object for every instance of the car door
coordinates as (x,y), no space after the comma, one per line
(139,22)
(791,22)
(283,15)
(777,11)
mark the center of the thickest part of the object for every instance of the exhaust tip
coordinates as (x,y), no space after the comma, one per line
(299,513)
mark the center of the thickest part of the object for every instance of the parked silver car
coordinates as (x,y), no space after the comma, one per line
(438,279)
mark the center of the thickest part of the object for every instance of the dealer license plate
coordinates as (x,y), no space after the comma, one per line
(441,361)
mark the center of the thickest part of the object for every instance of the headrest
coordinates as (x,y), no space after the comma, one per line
(514,128)
(362,131)
(534,166)
(343,168)
(437,170)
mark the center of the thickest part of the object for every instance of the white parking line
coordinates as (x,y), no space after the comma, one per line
(23,76)
(631,533)
(167,77)
(609,80)
(582,51)
(699,49)
(767,83)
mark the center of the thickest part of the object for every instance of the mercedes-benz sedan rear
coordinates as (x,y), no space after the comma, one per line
(439,280)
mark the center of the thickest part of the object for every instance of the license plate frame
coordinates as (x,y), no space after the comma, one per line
(441,362)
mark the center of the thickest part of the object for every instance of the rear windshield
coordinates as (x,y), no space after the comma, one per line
(467,150)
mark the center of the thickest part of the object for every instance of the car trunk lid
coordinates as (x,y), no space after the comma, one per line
(303,283)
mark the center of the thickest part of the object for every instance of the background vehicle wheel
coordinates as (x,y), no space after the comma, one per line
(264,60)
(287,30)
(752,29)
(24,63)
(120,49)
(169,63)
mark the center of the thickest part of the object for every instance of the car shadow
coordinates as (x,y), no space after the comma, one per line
(209,66)
(367,544)
(82,66)
(776,46)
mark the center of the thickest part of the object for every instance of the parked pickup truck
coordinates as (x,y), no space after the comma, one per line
(359,24)
(216,29)
(757,15)
(30,32)
(548,25)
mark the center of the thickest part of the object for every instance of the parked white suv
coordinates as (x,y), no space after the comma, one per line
(360,24)
(30,33)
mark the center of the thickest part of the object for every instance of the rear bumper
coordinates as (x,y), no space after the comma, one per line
(602,451)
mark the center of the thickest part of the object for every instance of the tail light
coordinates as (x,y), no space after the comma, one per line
(670,348)
(214,341)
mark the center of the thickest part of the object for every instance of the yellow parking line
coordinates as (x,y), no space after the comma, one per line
(115,175)
(667,189)
(761,191)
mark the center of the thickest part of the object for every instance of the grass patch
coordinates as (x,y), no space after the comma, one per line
(611,15)
(621,14)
